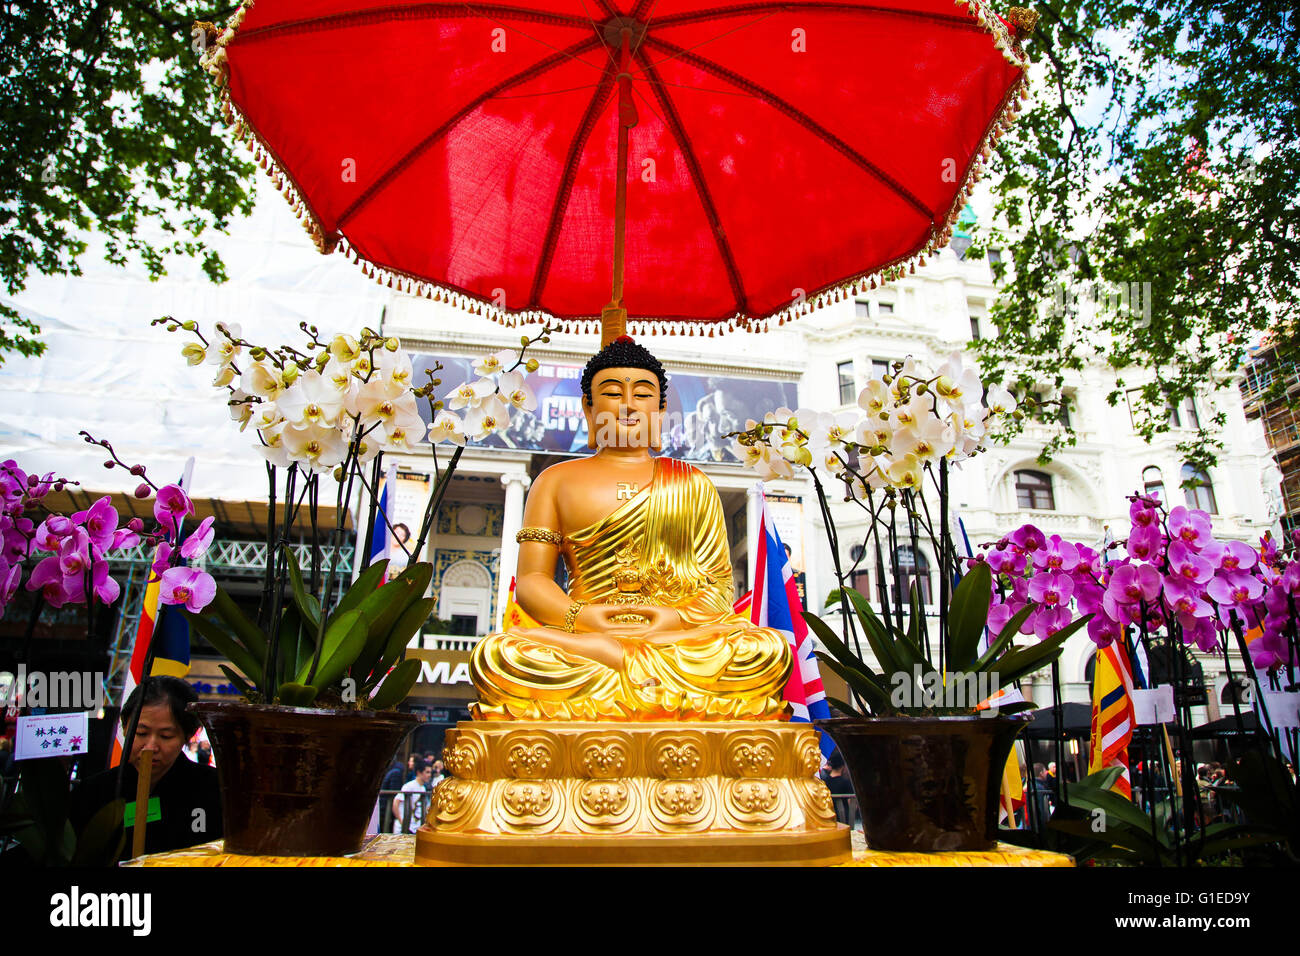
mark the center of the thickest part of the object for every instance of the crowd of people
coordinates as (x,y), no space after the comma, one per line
(407,792)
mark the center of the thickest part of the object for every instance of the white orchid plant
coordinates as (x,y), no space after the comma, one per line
(912,424)
(332,408)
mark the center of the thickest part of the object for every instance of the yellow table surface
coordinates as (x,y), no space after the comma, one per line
(399,850)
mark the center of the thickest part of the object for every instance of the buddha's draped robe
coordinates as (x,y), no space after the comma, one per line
(667,546)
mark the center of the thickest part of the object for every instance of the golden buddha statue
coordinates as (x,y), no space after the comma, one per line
(647,630)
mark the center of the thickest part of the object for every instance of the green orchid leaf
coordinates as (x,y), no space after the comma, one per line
(397,685)
(1004,638)
(862,685)
(308,606)
(297,695)
(384,607)
(244,686)
(245,631)
(344,641)
(104,836)
(364,586)
(878,636)
(406,628)
(1016,664)
(844,707)
(227,647)
(833,643)
(968,613)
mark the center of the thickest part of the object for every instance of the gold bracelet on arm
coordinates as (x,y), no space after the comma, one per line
(571,618)
(540,535)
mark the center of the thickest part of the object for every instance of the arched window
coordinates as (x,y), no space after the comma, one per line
(1034,491)
(1153,484)
(1198,491)
(909,565)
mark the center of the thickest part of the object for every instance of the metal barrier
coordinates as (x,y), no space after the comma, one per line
(847,810)
(412,814)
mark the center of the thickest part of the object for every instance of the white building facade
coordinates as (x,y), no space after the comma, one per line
(108,371)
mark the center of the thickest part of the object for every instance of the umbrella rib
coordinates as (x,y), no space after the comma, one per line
(803,119)
(394,170)
(955,20)
(674,123)
(424,11)
(565,190)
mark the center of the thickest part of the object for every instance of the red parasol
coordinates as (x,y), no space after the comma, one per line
(771,153)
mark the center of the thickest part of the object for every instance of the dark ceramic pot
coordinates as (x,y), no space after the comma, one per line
(297,781)
(927,784)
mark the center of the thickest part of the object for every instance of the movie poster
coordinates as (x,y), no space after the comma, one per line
(701,409)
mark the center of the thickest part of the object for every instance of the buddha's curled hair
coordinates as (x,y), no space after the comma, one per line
(623,352)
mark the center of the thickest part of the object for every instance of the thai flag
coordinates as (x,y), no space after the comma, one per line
(775,603)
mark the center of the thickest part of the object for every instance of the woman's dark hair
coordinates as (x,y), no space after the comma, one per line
(624,353)
(173,692)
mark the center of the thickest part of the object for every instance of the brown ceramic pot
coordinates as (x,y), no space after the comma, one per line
(297,781)
(927,784)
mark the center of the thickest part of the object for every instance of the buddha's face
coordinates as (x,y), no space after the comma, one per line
(624,410)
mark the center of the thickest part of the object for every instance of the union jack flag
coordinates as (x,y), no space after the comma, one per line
(775,603)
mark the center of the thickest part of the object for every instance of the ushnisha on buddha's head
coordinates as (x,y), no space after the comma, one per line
(624,392)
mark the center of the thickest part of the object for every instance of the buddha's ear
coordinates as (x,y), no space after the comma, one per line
(589,414)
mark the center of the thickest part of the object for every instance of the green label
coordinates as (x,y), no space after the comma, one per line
(154,815)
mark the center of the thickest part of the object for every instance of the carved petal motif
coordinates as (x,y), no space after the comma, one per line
(530,757)
(529,804)
(751,757)
(605,757)
(676,756)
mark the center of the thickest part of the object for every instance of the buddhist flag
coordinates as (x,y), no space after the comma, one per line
(514,617)
(1012,796)
(171,651)
(172,640)
(775,603)
(1112,715)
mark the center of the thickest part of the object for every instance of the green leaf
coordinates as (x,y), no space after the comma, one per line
(235,679)
(844,707)
(297,695)
(308,606)
(361,588)
(397,685)
(863,685)
(384,607)
(1005,637)
(1115,806)
(228,647)
(833,643)
(343,642)
(102,840)
(880,639)
(1016,664)
(245,631)
(968,614)
(406,627)
(290,634)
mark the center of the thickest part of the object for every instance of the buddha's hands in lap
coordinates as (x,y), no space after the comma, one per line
(658,623)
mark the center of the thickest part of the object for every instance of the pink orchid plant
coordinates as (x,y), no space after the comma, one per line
(69,554)
(1174,577)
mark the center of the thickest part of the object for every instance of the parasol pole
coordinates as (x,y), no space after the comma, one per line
(613,318)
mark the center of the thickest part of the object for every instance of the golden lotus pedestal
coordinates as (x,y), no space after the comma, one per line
(636,794)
